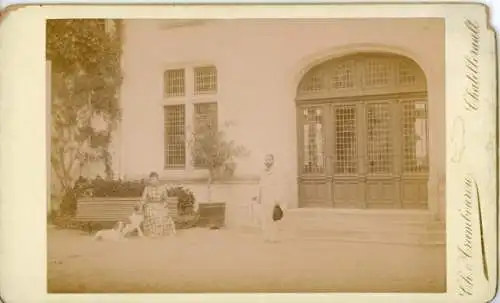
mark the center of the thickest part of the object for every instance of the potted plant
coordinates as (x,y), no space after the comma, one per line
(213,151)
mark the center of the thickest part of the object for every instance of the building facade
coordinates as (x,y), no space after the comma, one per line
(352,109)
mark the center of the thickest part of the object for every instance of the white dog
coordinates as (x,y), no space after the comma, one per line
(136,219)
(114,234)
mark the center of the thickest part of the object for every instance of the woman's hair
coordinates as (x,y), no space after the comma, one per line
(153,175)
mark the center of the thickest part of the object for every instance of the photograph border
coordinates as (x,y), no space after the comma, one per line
(471,137)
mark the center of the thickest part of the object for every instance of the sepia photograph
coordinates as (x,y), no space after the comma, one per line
(246,155)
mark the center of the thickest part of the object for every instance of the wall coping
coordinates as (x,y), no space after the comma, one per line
(247,179)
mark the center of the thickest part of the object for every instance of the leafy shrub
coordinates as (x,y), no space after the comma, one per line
(70,196)
(68,203)
(213,150)
(185,198)
(115,188)
(100,188)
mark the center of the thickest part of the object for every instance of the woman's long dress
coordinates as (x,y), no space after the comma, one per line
(157,221)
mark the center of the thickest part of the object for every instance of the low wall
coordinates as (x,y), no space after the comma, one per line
(236,194)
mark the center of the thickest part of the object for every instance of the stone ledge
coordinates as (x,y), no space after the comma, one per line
(244,179)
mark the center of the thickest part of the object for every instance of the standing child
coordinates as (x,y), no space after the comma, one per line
(135,219)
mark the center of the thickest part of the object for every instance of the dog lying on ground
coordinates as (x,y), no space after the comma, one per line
(114,234)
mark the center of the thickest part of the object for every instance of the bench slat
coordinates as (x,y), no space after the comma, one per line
(106,210)
(118,202)
(123,209)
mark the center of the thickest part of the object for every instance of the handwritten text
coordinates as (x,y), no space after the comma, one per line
(471,95)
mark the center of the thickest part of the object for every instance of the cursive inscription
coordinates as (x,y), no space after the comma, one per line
(471,198)
(471,59)
(465,279)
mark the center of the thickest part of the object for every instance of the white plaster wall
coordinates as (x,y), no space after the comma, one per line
(259,66)
(236,196)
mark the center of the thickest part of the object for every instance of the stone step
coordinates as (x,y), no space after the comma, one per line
(337,214)
(408,238)
(367,226)
(392,227)
(368,219)
(375,237)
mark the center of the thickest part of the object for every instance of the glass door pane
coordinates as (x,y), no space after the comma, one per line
(346,151)
(314,162)
(379,139)
(415,137)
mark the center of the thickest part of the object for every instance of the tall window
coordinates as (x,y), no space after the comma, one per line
(175,141)
(190,97)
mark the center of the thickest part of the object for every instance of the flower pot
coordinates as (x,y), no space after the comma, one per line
(212,214)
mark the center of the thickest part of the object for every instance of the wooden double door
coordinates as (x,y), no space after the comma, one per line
(363,153)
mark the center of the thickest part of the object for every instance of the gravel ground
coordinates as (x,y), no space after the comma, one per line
(199,260)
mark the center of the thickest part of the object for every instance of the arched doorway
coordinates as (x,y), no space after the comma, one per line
(363,133)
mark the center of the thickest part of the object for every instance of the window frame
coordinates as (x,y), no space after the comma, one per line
(189,100)
(173,166)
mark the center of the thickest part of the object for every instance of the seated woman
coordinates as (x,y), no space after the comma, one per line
(157,221)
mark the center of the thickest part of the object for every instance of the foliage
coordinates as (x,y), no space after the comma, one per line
(116,188)
(85,79)
(101,188)
(185,198)
(211,147)
(68,203)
